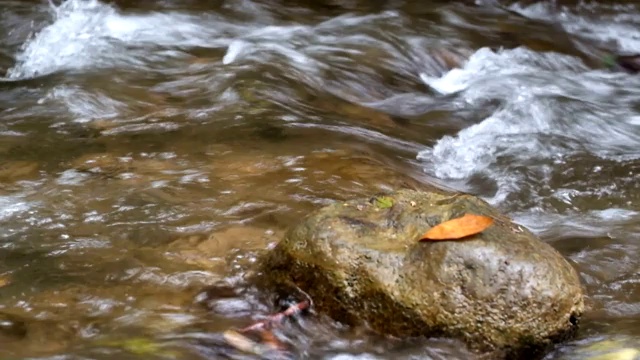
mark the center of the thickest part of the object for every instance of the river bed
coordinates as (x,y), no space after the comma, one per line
(151,150)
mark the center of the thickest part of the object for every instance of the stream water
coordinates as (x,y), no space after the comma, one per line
(151,149)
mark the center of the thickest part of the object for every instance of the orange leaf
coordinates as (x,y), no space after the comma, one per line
(458,228)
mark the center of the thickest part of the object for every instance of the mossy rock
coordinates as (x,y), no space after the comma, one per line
(503,292)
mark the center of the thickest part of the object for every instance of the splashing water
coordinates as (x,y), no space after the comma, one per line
(90,34)
(551,109)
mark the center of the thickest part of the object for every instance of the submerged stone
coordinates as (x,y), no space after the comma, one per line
(503,292)
(628,63)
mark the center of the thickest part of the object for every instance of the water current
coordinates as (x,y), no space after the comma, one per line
(151,149)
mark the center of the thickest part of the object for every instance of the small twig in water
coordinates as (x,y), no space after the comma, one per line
(236,338)
(277,318)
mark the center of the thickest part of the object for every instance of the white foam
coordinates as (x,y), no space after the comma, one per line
(88,33)
(11,206)
(86,106)
(234,50)
(288,40)
(548,111)
(620,26)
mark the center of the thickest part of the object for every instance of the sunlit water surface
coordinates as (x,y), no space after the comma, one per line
(151,152)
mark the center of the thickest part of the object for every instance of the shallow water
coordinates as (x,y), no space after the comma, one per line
(150,150)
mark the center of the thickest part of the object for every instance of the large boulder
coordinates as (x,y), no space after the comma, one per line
(503,292)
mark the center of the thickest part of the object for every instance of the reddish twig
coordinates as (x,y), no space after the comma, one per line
(271,343)
(277,318)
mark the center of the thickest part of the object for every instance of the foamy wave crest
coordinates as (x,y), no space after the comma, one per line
(550,108)
(88,33)
(610,23)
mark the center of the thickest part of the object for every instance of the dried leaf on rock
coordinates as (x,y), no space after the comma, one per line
(458,228)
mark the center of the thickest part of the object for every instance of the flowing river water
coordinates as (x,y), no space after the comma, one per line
(150,150)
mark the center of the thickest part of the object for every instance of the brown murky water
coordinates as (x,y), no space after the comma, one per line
(151,151)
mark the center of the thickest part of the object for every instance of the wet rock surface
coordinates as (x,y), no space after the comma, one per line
(503,292)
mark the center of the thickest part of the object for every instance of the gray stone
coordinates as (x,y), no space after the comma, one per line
(503,292)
